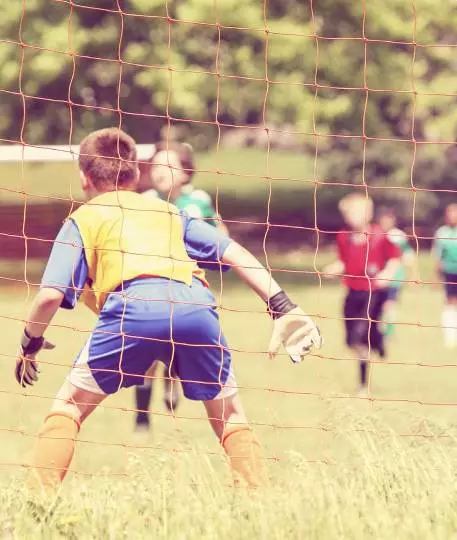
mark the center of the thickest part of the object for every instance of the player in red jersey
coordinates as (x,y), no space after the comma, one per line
(367,262)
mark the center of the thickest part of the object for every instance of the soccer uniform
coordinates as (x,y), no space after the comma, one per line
(445,247)
(399,239)
(136,255)
(364,256)
(196,202)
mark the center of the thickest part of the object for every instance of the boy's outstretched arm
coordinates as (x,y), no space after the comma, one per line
(44,307)
(63,279)
(251,271)
(292,327)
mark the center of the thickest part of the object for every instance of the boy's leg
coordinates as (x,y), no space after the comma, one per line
(201,359)
(449,323)
(143,397)
(56,441)
(171,385)
(390,311)
(449,317)
(368,336)
(228,420)
(364,369)
(357,328)
(376,308)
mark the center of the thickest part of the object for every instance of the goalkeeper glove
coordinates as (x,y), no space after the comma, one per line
(292,328)
(27,369)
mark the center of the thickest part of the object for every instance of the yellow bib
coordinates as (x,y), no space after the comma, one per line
(126,236)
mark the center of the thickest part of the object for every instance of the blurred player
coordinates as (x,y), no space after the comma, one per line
(130,251)
(168,175)
(388,222)
(445,251)
(368,262)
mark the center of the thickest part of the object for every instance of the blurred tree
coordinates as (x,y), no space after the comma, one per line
(373,87)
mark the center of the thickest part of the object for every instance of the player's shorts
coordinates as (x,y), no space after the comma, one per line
(393,293)
(157,319)
(362,316)
(450,285)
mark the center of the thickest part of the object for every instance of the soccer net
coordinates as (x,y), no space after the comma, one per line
(290,108)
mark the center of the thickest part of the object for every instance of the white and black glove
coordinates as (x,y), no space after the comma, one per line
(292,328)
(27,369)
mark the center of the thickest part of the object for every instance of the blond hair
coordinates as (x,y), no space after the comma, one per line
(349,201)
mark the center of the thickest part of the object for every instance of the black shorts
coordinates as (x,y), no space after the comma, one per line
(450,285)
(362,316)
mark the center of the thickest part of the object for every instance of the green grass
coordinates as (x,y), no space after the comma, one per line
(243,173)
(340,466)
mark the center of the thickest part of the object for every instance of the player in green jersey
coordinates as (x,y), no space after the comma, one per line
(445,252)
(168,174)
(387,220)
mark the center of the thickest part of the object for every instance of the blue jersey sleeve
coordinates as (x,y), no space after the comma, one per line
(67,269)
(204,243)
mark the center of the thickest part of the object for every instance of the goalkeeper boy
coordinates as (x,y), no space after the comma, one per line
(168,174)
(368,262)
(133,256)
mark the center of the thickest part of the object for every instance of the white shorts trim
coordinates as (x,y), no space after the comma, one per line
(81,375)
(229,388)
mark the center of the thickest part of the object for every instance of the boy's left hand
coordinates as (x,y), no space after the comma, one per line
(297,332)
(27,369)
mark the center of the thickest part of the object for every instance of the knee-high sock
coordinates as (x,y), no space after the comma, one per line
(143,396)
(243,450)
(449,323)
(364,366)
(363,372)
(53,451)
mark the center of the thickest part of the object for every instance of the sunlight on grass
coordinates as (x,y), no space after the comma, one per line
(393,490)
(340,467)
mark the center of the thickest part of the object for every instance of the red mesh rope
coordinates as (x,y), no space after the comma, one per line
(315,382)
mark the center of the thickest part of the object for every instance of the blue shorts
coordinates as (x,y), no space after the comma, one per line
(392,293)
(157,319)
(450,285)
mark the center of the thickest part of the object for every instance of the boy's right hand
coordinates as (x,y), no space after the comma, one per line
(27,369)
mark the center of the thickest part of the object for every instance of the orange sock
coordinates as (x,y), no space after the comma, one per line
(53,451)
(243,450)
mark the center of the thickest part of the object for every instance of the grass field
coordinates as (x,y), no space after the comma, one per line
(340,467)
(241,172)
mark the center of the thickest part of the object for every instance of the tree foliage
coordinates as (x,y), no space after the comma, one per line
(373,89)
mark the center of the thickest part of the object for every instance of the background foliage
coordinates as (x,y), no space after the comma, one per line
(378,107)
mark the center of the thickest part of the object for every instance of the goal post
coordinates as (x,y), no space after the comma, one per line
(54,153)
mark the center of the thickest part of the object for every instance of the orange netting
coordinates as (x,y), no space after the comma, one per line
(29,229)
